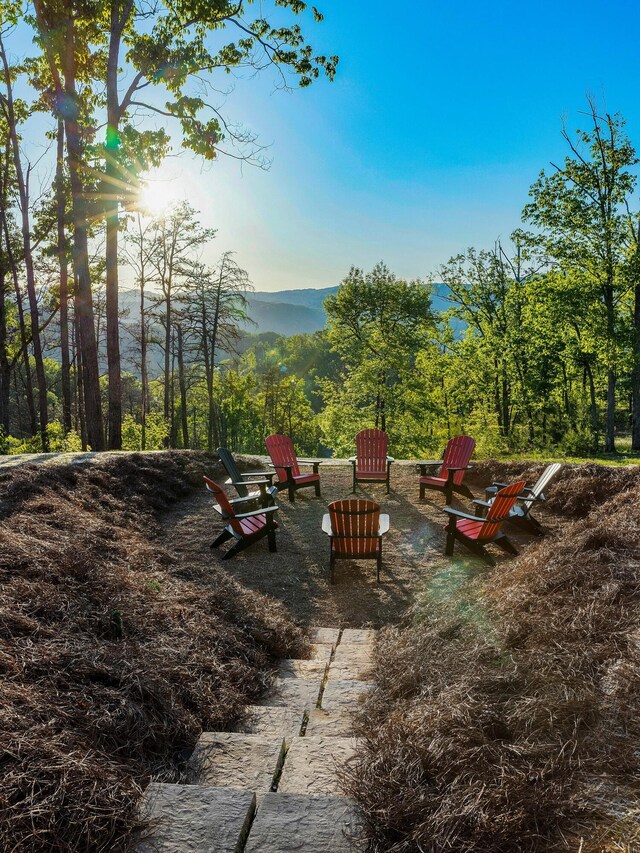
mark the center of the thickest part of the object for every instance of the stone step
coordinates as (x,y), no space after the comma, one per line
(236,760)
(293,668)
(321,651)
(311,765)
(350,670)
(324,635)
(354,653)
(196,819)
(277,722)
(312,824)
(345,695)
(365,636)
(294,693)
(329,723)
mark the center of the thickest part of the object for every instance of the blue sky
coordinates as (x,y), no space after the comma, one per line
(440,117)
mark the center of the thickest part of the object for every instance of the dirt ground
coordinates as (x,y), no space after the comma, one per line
(298,575)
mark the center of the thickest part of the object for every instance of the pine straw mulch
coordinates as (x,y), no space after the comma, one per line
(114,653)
(507,714)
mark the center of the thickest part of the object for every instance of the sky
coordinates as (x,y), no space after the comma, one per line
(439,119)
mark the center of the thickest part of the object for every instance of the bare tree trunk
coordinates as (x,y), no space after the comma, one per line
(635,374)
(183,391)
(64,281)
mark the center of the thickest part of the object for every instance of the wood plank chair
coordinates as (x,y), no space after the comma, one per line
(287,465)
(371,463)
(245,527)
(454,462)
(240,481)
(355,529)
(475,533)
(520,515)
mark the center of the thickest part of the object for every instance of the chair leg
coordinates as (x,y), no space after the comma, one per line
(271,539)
(240,545)
(224,536)
(292,493)
(379,561)
(464,490)
(422,488)
(332,563)
(451,537)
(506,544)
(317,486)
(448,494)
(353,490)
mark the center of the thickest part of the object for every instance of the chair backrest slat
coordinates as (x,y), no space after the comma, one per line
(282,452)
(354,524)
(457,454)
(223,503)
(545,478)
(371,450)
(500,508)
(232,470)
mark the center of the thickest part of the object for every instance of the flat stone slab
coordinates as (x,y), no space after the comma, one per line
(324,635)
(196,819)
(290,822)
(323,723)
(292,668)
(237,760)
(353,670)
(312,762)
(345,695)
(273,722)
(294,693)
(358,635)
(321,651)
(360,653)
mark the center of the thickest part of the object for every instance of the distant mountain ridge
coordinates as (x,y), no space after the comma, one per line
(301,311)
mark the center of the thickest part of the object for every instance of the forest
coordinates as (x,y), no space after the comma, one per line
(114,333)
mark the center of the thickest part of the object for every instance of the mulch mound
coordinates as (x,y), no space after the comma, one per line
(114,653)
(507,716)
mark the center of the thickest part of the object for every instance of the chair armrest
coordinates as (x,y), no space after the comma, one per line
(260,511)
(258,474)
(523,497)
(456,512)
(431,463)
(353,459)
(478,502)
(251,483)
(310,461)
(460,468)
(390,459)
(287,468)
(500,485)
(383,524)
(326,524)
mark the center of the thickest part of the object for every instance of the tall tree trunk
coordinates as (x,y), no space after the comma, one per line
(22,326)
(65,369)
(5,366)
(66,93)
(635,374)
(23,192)
(79,384)
(610,425)
(183,391)
(144,376)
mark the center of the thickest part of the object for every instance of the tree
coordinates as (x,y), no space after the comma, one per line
(583,211)
(377,323)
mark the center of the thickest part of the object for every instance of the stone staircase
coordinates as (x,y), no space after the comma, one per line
(272,786)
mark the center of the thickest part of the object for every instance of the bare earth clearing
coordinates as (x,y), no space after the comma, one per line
(298,575)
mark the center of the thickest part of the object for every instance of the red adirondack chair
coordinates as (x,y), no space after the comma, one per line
(355,528)
(287,465)
(454,463)
(245,527)
(475,533)
(371,463)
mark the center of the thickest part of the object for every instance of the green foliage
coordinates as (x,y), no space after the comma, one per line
(157,432)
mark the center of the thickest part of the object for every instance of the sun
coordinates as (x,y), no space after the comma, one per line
(159,194)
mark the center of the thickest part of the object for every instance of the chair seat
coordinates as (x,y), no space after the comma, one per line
(433,481)
(306,478)
(471,529)
(254,525)
(371,475)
